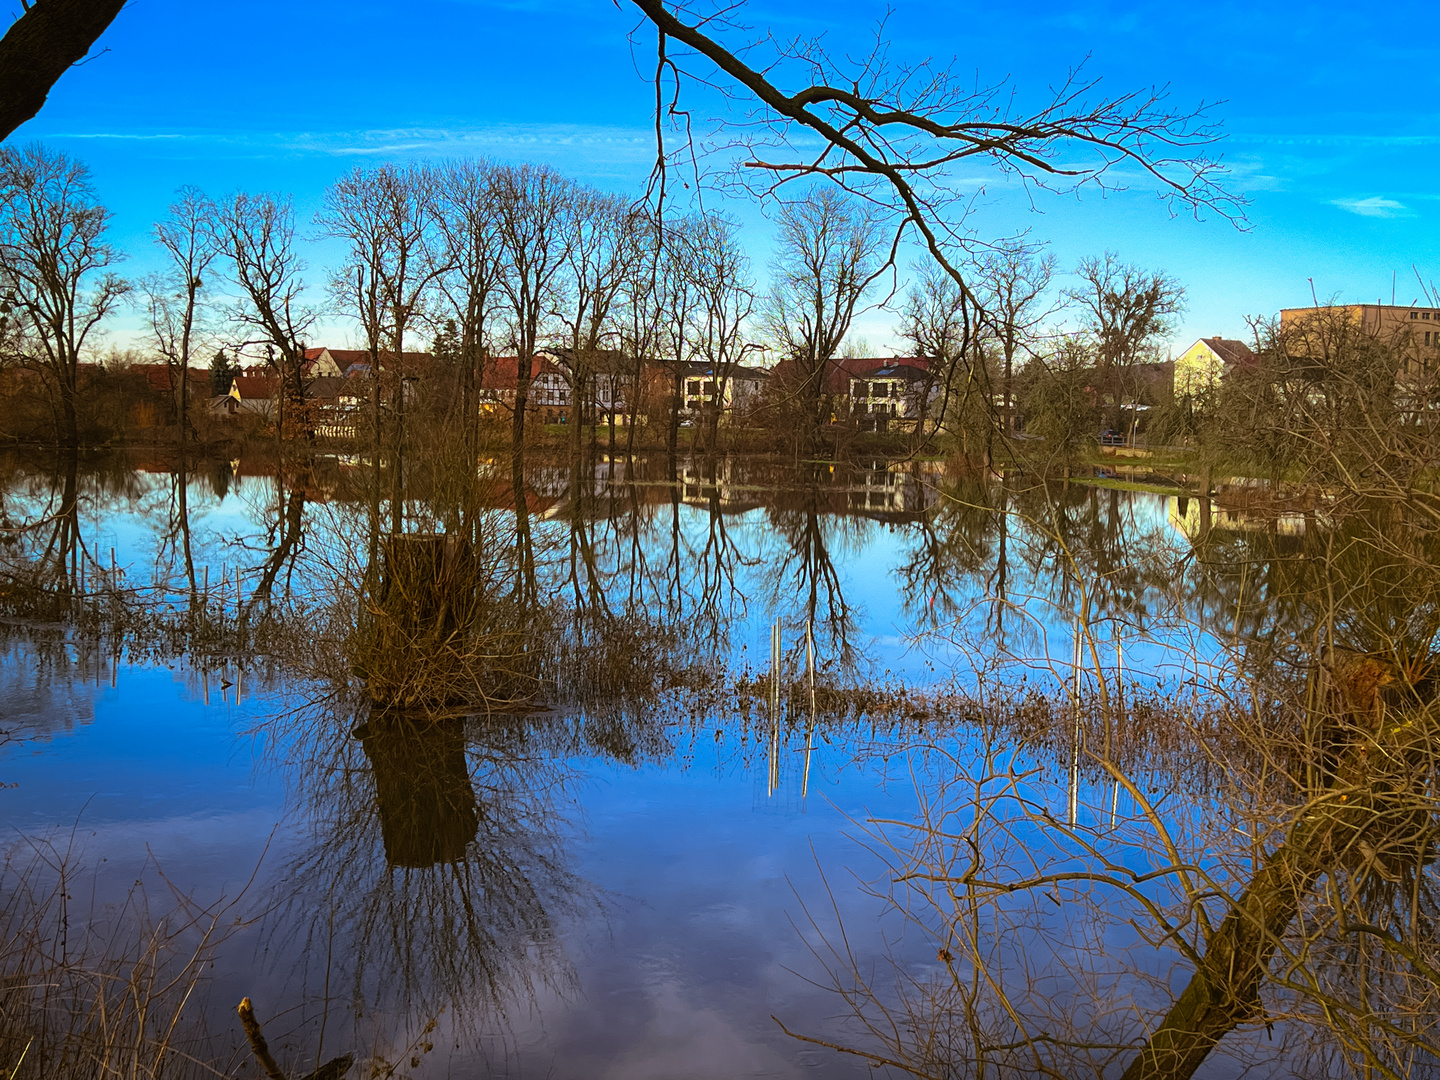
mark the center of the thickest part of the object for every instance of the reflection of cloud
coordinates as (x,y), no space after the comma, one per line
(681,1039)
(1375,207)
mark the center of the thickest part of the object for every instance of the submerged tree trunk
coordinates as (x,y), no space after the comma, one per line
(1366,800)
(1224,992)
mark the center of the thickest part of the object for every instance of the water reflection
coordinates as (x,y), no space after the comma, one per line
(442,696)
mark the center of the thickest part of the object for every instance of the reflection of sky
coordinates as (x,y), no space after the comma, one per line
(943,628)
(699,863)
(696,861)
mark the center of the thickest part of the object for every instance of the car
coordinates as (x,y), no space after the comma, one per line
(1111,437)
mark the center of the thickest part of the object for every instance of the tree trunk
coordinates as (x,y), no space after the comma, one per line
(1225,991)
(69,392)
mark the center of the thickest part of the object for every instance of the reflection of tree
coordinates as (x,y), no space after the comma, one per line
(285,541)
(437,869)
(1268,862)
(807,570)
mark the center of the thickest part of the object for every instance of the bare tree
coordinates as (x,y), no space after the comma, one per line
(940,322)
(1011,280)
(720,273)
(468,219)
(602,249)
(534,204)
(676,300)
(896,132)
(40,46)
(640,316)
(1125,311)
(54,264)
(388,219)
(173,298)
(829,256)
(257,235)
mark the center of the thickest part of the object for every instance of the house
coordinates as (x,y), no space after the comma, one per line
(734,391)
(1411,330)
(1200,367)
(611,375)
(324,363)
(255,394)
(839,375)
(895,391)
(549,391)
(335,406)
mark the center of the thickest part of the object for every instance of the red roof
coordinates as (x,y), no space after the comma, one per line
(503,372)
(255,387)
(157,376)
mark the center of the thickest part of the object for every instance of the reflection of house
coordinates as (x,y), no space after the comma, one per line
(1200,367)
(1196,517)
(879,490)
(717,484)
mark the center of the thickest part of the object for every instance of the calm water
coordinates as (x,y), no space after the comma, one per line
(616,885)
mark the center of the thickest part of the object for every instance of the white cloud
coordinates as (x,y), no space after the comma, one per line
(1375,206)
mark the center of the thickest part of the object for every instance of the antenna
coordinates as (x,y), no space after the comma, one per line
(1392,288)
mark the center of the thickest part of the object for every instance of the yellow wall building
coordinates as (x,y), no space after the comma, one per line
(1413,331)
(1199,368)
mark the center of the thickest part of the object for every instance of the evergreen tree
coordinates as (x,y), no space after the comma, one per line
(446,346)
(222,373)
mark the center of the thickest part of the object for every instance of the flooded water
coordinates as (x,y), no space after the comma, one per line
(647,869)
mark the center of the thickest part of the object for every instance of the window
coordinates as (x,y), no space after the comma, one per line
(1414,315)
(709,386)
(1425,315)
(693,389)
(877,389)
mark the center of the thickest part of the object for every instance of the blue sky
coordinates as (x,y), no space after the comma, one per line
(1331,117)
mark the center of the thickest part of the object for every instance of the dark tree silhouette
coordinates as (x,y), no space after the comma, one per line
(40,46)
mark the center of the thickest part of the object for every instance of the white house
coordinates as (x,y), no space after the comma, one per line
(704,388)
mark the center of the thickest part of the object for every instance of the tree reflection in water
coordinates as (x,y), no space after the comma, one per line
(436,878)
(1082,851)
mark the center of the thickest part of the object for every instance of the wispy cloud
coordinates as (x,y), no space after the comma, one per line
(1375,206)
(1342,140)
(561,140)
